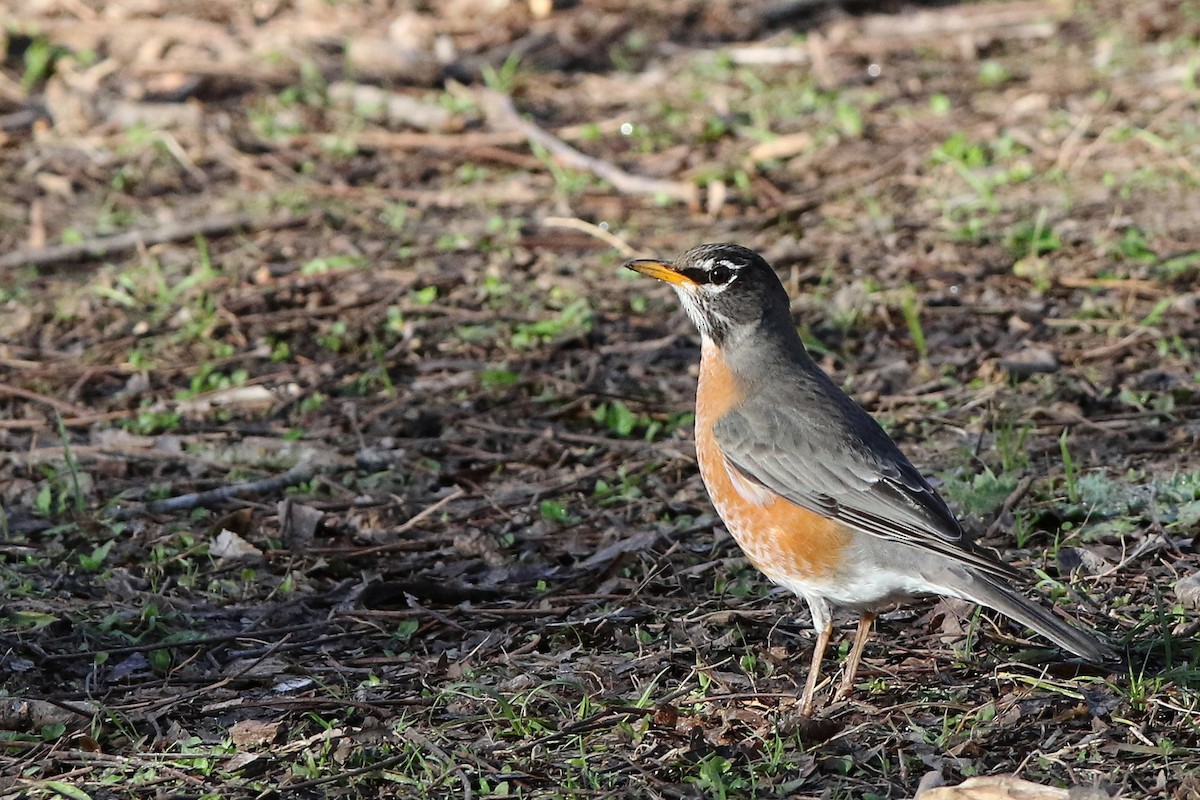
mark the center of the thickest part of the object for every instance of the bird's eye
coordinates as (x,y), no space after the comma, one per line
(720,275)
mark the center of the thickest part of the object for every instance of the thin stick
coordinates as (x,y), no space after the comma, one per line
(500,110)
(609,238)
(346,774)
(25,394)
(409,524)
(185,502)
(200,641)
(70,422)
(1019,491)
(129,240)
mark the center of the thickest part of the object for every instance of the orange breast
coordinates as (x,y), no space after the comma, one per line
(782,539)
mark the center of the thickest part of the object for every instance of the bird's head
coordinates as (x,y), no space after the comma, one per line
(726,289)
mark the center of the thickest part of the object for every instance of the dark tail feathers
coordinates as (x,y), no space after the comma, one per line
(1038,618)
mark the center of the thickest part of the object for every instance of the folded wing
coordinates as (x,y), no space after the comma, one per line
(842,466)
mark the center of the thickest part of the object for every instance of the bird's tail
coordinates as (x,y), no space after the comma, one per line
(1038,618)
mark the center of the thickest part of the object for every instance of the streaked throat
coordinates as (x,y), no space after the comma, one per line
(711,324)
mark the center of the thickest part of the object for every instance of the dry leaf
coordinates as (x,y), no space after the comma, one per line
(253,733)
(298,524)
(1187,591)
(238,521)
(995,787)
(228,544)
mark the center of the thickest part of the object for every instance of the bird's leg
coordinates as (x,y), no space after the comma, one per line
(824,631)
(860,639)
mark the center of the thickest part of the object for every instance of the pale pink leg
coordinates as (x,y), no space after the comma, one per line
(860,639)
(824,631)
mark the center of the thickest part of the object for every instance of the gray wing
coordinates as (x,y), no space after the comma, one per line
(839,463)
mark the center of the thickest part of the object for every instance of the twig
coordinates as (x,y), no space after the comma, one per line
(451,142)
(1010,502)
(25,394)
(69,422)
(818,53)
(448,764)
(1070,144)
(345,775)
(576,224)
(87,757)
(55,453)
(1021,19)
(1141,286)
(107,245)
(409,524)
(501,112)
(185,502)
(596,721)
(1111,351)
(813,199)
(208,690)
(758,55)
(200,641)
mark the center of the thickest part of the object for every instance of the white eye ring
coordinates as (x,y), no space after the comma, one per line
(720,274)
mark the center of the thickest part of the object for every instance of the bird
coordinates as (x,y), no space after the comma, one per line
(813,490)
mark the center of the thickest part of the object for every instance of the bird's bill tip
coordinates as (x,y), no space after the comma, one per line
(662,270)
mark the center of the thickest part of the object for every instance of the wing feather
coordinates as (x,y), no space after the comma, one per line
(841,464)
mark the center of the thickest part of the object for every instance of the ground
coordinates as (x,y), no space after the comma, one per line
(456,543)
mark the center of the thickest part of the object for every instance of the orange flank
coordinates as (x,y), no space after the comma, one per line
(780,538)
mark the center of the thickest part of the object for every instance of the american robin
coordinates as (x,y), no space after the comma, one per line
(813,490)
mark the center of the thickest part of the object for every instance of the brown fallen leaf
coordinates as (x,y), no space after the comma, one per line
(253,733)
(228,544)
(298,524)
(239,521)
(1187,591)
(1078,559)
(994,787)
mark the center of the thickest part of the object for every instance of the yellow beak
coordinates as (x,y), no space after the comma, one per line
(661,270)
